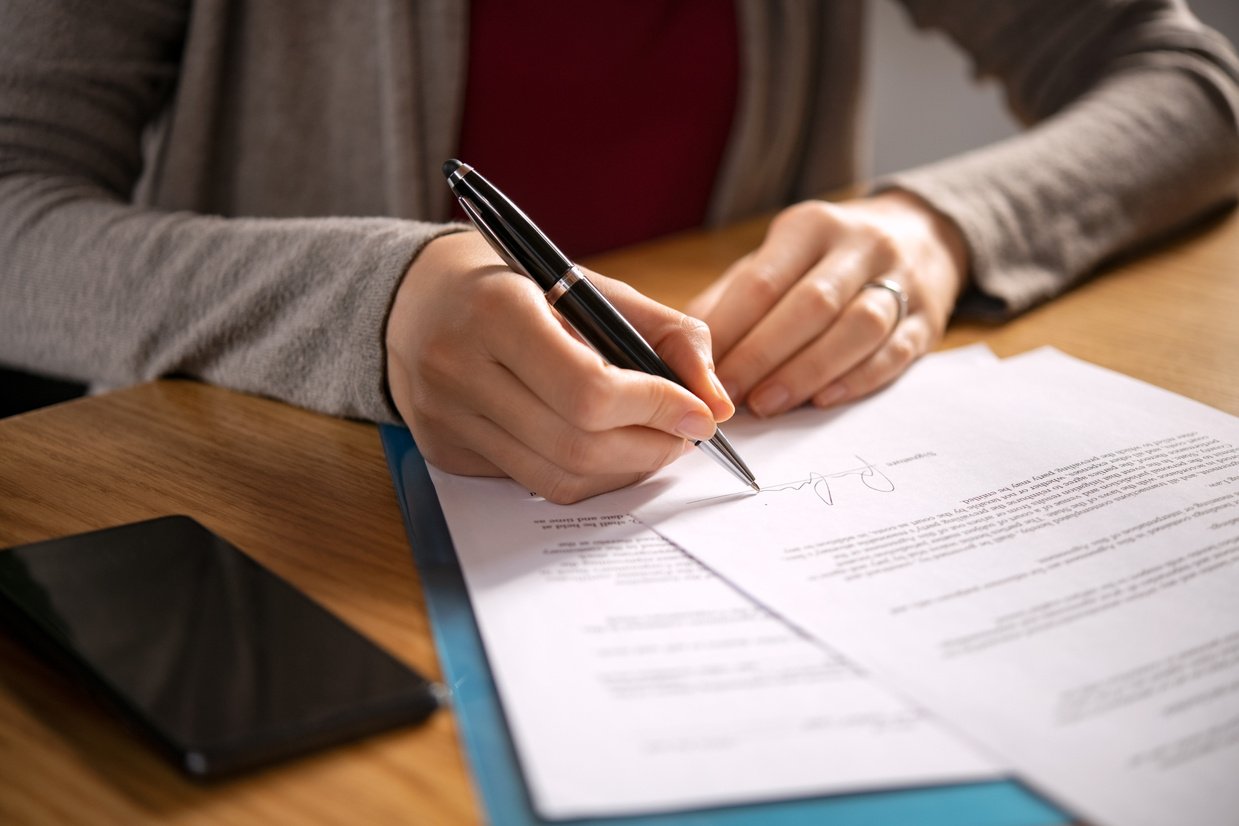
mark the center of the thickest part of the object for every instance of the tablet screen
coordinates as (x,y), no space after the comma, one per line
(224,663)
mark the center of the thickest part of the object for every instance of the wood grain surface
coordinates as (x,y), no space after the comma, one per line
(309,496)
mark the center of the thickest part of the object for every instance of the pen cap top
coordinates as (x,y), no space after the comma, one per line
(517,239)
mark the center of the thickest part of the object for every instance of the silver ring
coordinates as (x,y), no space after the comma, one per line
(892,287)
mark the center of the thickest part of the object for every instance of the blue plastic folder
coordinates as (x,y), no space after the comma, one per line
(492,757)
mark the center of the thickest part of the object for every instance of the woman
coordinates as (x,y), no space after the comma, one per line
(192,187)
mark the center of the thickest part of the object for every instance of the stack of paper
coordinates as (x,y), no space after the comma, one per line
(1034,560)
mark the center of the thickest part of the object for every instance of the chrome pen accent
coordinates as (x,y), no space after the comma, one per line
(563,285)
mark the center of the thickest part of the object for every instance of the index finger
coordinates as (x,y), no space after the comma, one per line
(795,242)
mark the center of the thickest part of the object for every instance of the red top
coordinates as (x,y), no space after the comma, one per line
(605,122)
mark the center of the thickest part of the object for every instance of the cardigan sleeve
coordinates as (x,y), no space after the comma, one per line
(97,288)
(1134,109)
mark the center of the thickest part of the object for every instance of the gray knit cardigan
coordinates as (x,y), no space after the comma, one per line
(232,189)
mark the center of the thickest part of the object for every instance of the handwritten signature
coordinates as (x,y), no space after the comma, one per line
(819,483)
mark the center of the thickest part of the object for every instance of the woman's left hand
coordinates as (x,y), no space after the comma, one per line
(793,321)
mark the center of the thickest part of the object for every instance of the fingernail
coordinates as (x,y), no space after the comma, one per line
(718,385)
(830,395)
(696,426)
(769,400)
(731,389)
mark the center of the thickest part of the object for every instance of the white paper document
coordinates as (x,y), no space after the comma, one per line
(1044,553)
(635,680)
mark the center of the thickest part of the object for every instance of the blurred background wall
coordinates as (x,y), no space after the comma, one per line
(925,104)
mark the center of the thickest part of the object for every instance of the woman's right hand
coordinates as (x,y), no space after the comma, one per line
(492,383)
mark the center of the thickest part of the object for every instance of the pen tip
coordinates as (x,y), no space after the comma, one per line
(756,488)
(451,166)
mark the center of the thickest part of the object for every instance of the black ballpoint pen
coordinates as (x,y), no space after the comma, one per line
(528,251)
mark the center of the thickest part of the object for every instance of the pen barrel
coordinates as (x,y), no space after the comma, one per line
(608,332)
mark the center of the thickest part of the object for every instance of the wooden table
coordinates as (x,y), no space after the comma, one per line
(310,497)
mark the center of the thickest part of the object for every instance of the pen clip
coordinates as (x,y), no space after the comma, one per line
(490,235)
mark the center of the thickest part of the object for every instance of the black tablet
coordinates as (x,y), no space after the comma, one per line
(222,664)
